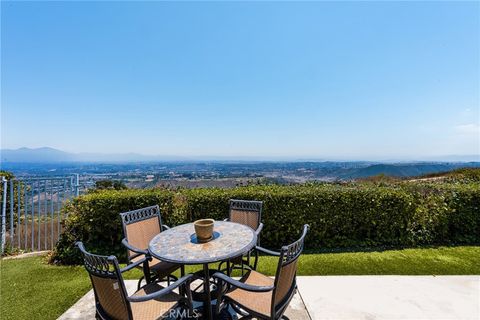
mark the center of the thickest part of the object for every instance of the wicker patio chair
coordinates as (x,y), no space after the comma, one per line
(248,213)
(259,296)
(151,301)
(139,227)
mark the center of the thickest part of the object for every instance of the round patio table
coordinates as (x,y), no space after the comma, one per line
(179,245)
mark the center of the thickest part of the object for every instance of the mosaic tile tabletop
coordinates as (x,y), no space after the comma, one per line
(176,245)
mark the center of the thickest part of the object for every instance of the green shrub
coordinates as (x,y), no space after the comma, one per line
(94,219)
(340,216)
(464,218)
(446,213)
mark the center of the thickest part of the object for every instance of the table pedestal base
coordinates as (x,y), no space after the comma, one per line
(225,314)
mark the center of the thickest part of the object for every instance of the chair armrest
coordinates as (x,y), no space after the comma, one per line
(132,248)
(162,292)
(165,227)
(134,264)
(241,285)
(259,229)
(269,252)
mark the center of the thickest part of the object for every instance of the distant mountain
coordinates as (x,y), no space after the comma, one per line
(38,155)
(51,155)
(456,158)
(403,170)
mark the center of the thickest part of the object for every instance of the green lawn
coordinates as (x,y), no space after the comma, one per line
(30,288)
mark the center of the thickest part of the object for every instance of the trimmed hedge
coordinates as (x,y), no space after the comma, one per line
(340,216)
(94,219)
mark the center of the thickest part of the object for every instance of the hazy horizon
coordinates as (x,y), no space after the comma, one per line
(139,157)
(290,80)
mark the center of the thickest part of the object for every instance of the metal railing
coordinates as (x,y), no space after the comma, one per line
(32,212)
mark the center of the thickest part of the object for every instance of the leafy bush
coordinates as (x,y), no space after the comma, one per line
(340,216)
(464,218)
(109,184)
(94,219)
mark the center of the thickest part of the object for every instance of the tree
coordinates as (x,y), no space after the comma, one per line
(110,185)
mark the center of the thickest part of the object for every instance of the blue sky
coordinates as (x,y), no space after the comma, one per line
(344,80)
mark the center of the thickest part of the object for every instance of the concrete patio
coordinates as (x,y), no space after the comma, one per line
(364,297)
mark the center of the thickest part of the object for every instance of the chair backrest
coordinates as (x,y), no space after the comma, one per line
(140,226)
(246,212)
(285,279)
(108,286)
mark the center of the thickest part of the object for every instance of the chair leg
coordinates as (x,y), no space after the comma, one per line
(220,265)
(281,314)
(188,305)
(219,298)
(147,273)
(182,273)
(255,260)
(140,283)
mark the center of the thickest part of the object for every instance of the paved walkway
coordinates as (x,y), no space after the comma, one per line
(391,297)
(365,297)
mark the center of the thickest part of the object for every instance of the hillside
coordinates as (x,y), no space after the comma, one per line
(462,174)
(405,170)
(36,155)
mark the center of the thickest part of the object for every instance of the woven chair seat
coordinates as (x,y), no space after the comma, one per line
(155,308)
(161,268)
(259,302)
